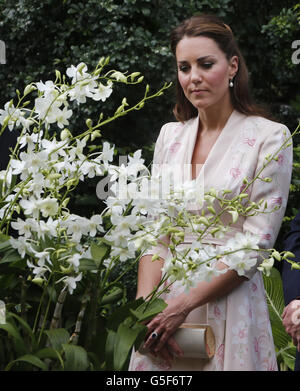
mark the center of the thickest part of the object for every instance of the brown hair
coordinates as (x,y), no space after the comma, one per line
(212,27)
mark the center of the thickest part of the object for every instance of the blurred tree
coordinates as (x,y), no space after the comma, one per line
(43,36)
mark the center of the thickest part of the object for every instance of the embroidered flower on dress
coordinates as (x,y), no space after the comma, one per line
(260,346)
(240,333)
(250,141)
(276,201)
(220,356)
(174,147)
(217,311)
(141,366)
(235,172)
(280,159)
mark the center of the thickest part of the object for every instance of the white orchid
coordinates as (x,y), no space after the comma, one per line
(48,206)
(71,282)
(77,73)
(11,114)
(102,92)
(139,207)
(107,153)
(25,227)
(22,245)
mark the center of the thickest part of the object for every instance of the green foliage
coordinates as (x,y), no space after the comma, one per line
(52,34)
(125,330)
(41,36)
(285,350)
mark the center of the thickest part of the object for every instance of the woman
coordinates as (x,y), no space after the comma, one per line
(226,137)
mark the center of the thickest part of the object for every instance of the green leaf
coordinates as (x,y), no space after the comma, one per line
(23,323)
(112,297)
(122,313)
(57,337)
(87,264)
(13,332)
(29,358)
(288,357)
(109,349)
(50,353)
(99,252)
(76,358)
(126,336)
(4,245)
(11,256)
(148,311)
(275,300)
(4,238)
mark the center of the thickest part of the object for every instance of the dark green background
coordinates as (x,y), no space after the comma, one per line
(53,34)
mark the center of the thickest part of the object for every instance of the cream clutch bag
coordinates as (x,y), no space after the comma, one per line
(196,341)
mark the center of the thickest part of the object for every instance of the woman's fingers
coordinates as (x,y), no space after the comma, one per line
(151,338)
(165,355)
(174,347)
(171,343)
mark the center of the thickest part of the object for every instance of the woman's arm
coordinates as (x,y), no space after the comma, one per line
(149,275)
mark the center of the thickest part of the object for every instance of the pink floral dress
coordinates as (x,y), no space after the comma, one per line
(240,320)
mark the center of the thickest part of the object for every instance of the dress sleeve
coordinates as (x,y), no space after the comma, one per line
(158,159)
(275,193)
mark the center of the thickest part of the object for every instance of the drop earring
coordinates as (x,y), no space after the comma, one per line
(231,83)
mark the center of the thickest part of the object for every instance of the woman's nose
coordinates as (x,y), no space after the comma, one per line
(196,75)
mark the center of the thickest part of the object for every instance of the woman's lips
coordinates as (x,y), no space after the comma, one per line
(198,92)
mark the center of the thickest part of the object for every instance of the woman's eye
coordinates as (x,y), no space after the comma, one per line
(183,68)
(207,65)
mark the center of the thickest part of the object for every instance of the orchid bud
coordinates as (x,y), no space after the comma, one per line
(155,257)
(234,215)
(213,192)
(66,270)
(203,220)
(38,281)
(89,123)
(57,74)
(276,255)
(134,75)
(80,69)
(6,121)
(95,134)
(211,209)
(65,134)
(54,176)
(288,254)
(29,89)
(124,102)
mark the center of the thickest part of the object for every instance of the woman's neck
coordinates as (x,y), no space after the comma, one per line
(214,118)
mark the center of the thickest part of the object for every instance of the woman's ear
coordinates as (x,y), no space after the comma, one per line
(234,66)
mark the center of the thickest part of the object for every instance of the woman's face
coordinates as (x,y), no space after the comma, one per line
(204,71)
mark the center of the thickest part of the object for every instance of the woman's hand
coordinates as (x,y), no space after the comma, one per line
(291,321)
(165,324)
(168,351)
